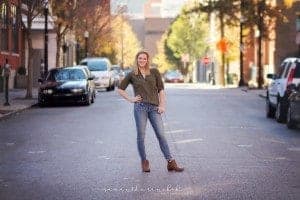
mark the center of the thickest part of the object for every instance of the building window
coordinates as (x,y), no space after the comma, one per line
(15,28)
(4,22)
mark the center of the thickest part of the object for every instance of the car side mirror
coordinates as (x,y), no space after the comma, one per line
(91,78)
(40,80)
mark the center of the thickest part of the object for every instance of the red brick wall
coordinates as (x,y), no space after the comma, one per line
(14,59)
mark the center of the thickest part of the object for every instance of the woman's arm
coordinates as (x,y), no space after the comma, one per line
(162,101)
(125,95)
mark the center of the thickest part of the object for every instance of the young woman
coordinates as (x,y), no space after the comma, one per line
(149,103)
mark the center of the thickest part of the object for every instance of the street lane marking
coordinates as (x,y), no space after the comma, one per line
(273,140)
(280,158)
(245,145)
(9,144)
(98,142)
(294,149)
(103,157)
(188,141)
(36,152)
(179,131)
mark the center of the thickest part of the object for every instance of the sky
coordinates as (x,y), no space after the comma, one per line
(169,7)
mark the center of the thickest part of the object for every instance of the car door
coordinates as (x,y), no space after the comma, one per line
(278,84)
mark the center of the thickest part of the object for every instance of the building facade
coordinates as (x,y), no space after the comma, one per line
(11,35)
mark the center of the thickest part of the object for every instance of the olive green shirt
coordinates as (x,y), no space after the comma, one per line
(148,87)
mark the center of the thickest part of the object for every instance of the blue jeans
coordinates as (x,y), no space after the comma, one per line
(143,112)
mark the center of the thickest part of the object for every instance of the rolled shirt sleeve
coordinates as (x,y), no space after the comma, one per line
(125,82)
(159,82)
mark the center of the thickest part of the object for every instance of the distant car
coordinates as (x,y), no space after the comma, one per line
(278,92)
(173,77)
(100,67)
(117,74)
(293,112)
(69,84)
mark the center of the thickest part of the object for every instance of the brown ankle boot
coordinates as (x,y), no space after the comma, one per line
(145,166)
(172,166)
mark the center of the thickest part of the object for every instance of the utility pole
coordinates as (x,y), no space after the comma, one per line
(261,7)
(46,38)
(122,8)
(242,19)
(86,37)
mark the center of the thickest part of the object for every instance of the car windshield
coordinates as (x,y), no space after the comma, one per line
(66,74)
(96,65)
(173,74)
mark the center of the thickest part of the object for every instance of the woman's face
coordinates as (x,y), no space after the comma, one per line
(142,60)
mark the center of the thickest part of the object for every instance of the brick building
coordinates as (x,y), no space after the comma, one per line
(11,33)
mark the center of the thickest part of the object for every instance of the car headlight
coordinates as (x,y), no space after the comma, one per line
(77,90)
(48,91)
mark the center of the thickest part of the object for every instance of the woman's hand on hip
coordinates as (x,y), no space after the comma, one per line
(161,109)
(135,99)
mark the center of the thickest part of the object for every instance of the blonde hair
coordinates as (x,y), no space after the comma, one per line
(136,67)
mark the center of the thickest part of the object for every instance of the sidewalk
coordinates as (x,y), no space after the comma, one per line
(17,102)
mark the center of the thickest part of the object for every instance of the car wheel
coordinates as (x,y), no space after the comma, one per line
(289,121)
(88,99)
(93,98)
(270,111)
(280,114)
(41,104)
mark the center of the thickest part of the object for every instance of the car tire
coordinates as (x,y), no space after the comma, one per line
(270,110)
(280,114)
(41,104)
(93,98)
(289,121)
(88,100)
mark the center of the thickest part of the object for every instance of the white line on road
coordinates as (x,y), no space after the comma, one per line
(294,149)
(188,141)
(179,131)
(36,152)
(245,145)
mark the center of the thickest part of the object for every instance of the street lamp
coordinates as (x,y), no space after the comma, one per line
(260,10)
(46,38)
(86,36)
(242,20)
(121,10)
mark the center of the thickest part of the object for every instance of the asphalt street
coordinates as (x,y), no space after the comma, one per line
(229,150)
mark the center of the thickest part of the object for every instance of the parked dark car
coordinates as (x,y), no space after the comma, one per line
(293,113)
(173,77)
(69,84)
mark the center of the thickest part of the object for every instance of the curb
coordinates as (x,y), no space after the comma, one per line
(262,96)
(15,112)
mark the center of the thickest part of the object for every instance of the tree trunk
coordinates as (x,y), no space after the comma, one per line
(30,67)
(58,44)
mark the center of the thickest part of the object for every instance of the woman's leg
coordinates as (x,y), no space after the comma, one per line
(157,124)
(140,116)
